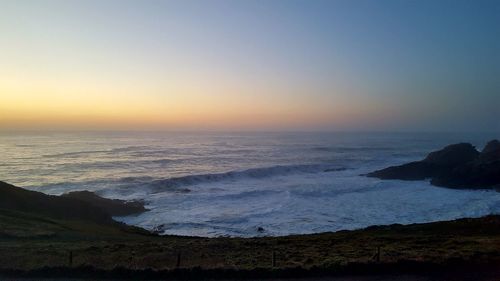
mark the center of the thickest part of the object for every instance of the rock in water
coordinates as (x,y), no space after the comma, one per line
(484,171)
(17,199)
(455,166)
(418,170)
(452,155)
(491,152)
(435,164)
(112,207)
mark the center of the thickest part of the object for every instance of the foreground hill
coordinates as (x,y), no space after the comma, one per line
(38,241)
(25,213)
(13,198)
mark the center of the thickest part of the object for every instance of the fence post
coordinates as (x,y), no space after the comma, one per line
(178,260)
(376,256)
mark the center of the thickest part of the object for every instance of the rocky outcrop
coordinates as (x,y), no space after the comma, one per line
(455,166)
(491,152)
(452,155)
(81,206)
(112,207)
(17,199)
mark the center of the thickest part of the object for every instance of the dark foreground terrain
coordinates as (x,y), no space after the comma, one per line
(85,243)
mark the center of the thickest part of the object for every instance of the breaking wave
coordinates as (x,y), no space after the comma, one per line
(247,185)
(255,173)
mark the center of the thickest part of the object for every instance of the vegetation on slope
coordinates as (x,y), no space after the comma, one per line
(32,240)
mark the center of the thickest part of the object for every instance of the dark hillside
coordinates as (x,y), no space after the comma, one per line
(21,200)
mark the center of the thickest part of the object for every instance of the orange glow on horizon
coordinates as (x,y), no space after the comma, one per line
(70,101)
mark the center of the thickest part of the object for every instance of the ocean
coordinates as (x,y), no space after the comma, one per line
(245,184)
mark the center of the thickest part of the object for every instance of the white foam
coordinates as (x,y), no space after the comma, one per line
(231,184)
(308,203)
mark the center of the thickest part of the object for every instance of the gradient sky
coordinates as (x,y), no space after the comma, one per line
(275,64)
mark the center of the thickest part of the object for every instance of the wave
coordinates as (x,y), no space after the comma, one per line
(255,173)
(330,193)
(84,152)
(162,161)
(25,145)
(129,185)
(248,194)
(75,153)
(135,179)
(351,148)
(118,164)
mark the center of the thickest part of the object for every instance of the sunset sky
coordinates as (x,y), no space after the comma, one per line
(250,65)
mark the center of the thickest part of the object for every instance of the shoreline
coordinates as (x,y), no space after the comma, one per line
(56,237)
(430,249)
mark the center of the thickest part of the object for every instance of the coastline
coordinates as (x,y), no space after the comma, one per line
(37,243)
(417,249)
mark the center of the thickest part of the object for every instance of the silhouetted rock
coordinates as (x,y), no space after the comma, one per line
(85,206)
(491,152)
(159,229)
(484,171)
(113,207)
(410,171)
(436,163)
(14,198)
(452,155)
(455,166)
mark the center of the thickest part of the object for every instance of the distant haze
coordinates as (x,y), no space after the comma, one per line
(250,65)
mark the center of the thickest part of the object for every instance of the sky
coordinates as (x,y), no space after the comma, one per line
(250,65)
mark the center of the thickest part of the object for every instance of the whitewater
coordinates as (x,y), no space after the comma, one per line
(245,184)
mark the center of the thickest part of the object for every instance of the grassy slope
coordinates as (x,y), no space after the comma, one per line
(35,242)
(31,240)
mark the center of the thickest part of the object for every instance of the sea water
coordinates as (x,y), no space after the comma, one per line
(245,184)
